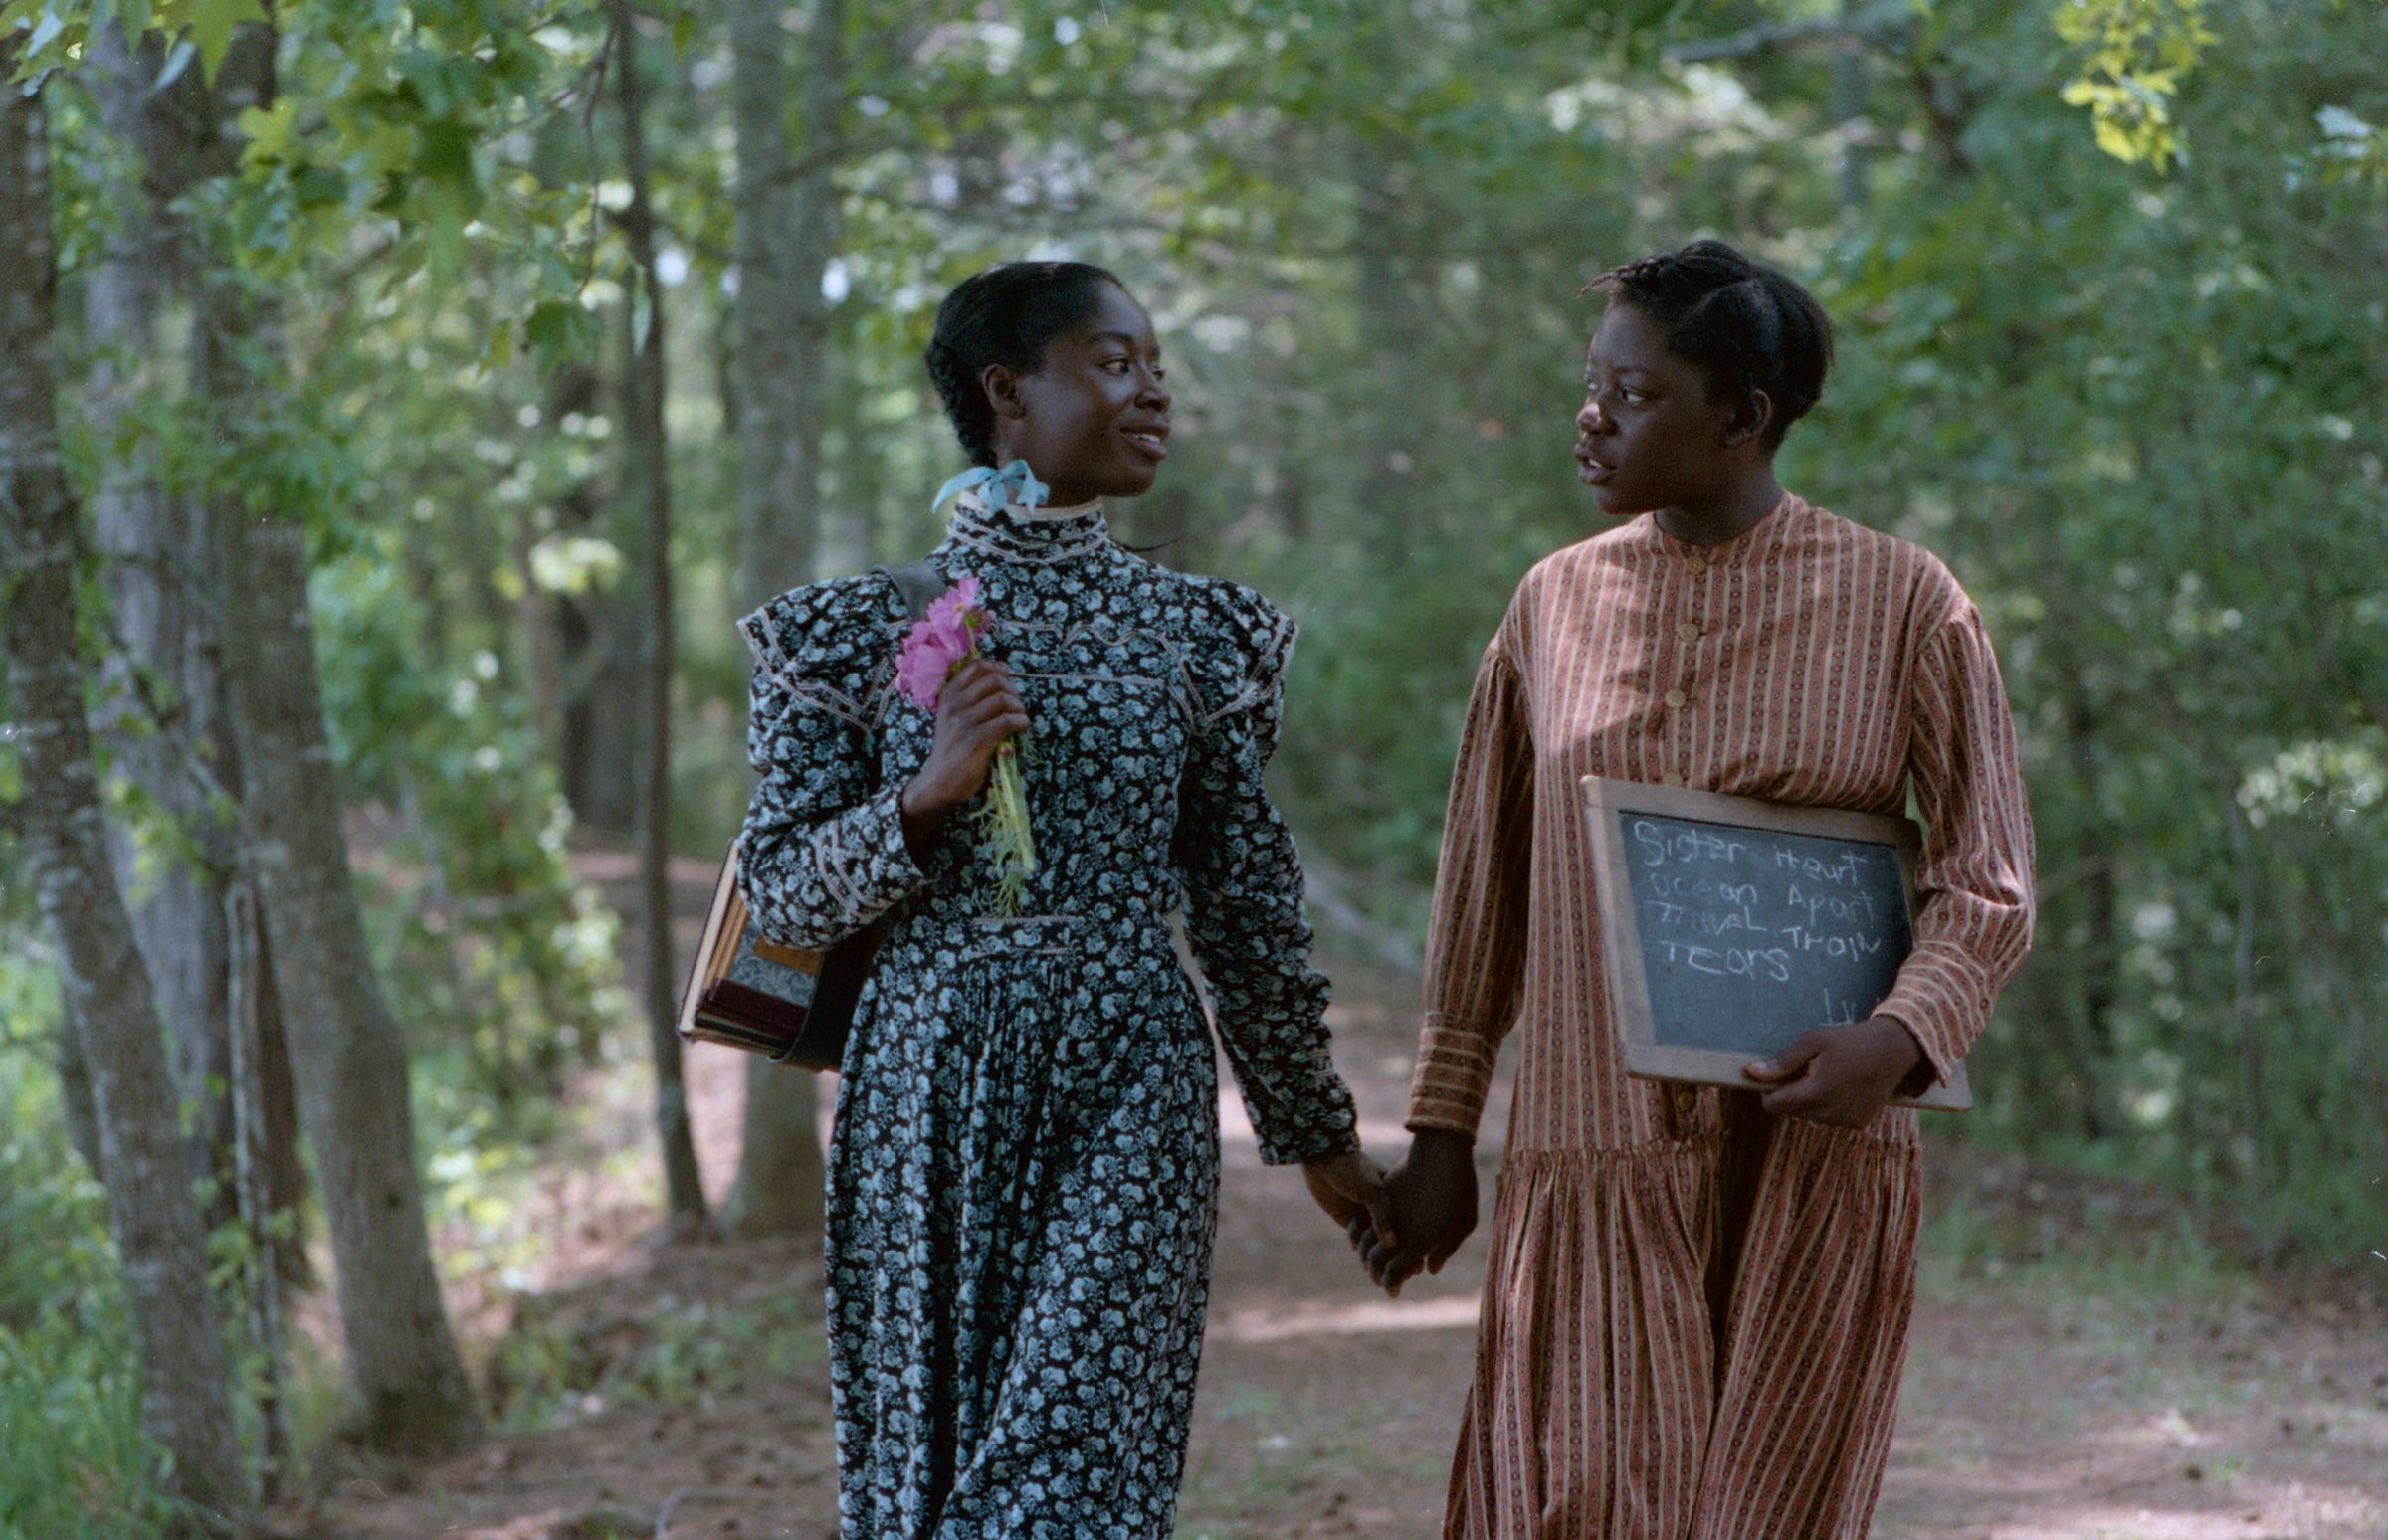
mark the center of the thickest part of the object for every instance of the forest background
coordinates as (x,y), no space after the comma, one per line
(418,389)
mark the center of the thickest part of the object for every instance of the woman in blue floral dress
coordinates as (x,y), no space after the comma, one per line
(1024,1177)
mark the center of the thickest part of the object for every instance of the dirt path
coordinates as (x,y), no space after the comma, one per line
(2067,1395)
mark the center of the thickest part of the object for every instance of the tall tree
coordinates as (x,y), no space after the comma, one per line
(348,1058)
(650,482)
(187,1398)
(164,660)
(787,217)
(171,736)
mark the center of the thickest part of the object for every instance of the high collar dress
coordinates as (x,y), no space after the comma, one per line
(1024,1174)
(1695,1314)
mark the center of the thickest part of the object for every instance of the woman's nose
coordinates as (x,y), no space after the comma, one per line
(1154,394)
(1590,419)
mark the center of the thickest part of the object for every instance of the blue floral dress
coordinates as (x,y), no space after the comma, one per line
(1024,1176)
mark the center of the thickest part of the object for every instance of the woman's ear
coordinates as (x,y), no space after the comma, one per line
(1003,391)
(1750,419)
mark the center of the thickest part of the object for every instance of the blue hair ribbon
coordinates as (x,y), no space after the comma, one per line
(1015,484)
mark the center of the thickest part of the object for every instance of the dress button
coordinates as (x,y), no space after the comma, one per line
(1696,565)
(1689,630)
(1674,699)
(1671,779)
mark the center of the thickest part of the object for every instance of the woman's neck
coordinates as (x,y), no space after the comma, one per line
(1712,522)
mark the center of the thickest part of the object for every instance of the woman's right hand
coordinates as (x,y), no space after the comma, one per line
(1433,1207)
(978,708)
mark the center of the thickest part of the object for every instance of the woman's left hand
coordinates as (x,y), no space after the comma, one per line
(1348,1185)
(1842,1076)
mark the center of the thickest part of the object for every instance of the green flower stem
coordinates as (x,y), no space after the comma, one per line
(1004,832)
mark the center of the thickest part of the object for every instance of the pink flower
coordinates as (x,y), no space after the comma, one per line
(938,641)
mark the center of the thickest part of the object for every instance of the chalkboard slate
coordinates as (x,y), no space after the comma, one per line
(1730,925)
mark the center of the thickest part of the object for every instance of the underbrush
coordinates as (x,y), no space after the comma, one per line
(2000,1218)
(73,1462)
(559,1366)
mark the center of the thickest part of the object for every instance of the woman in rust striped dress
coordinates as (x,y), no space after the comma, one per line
(1696,1301)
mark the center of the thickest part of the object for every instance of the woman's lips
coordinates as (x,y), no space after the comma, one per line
(1153,442)
(1591,471)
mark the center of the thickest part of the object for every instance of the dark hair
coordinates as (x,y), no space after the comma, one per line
(1747,326)
(1004,316)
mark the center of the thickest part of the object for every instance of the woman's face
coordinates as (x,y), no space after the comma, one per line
(1648,435)
(1092,420)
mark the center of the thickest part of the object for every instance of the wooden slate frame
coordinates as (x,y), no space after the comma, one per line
(1619,928)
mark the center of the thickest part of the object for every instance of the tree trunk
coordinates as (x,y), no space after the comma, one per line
(787,232)
(348,1058)
(2244,1019)
(163,667)
(83,1114)
(643,441)
(186,1392)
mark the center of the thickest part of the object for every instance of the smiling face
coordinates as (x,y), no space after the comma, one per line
(1649,436)
(1092,419)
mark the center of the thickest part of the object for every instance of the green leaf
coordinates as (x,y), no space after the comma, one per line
(558,329)
(213,22)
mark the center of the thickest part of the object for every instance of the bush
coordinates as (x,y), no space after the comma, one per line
(73,1462)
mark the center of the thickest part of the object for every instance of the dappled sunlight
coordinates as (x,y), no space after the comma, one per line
(1273,1323)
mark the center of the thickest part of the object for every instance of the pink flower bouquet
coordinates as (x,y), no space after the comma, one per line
(932,650)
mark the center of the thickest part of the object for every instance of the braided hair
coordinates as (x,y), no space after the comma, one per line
(1006,315)
(1747,326)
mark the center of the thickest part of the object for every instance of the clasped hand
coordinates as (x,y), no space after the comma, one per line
(1841,1076)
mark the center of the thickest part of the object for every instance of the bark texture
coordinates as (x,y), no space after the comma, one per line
(162,717)
(787,234)
(186,1401)
(348,1058)
(650,483)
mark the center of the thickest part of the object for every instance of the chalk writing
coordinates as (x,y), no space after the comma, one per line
(1750,937)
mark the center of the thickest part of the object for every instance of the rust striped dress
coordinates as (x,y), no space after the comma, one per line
(1695,1314)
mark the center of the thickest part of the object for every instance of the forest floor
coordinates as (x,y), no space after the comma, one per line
(2081,1366)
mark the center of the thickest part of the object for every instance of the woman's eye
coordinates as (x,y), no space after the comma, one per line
(1631,397)
(1115,365)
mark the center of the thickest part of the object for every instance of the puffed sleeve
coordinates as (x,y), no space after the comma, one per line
(1974,884)
(1475,937)
(823,854)
(1241,882)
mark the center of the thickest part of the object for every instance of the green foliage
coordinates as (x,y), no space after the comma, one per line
(73,1462)
(551,1370)
(2135,54)
(2143,437)
(2352,149)
(490,945)
(2137,415)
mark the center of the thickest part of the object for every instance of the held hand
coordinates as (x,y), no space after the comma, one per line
(1351,1189)
(1433,1207)
(977,710)
(1842,1076)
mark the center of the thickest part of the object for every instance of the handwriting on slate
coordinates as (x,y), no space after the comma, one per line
(1714,903)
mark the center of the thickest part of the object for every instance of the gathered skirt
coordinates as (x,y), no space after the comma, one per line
(1692,1339)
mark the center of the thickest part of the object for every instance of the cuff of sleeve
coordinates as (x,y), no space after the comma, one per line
(1319,1119)
(1940,1010)
(863,859)
(1453,1077)
(1317,1144)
